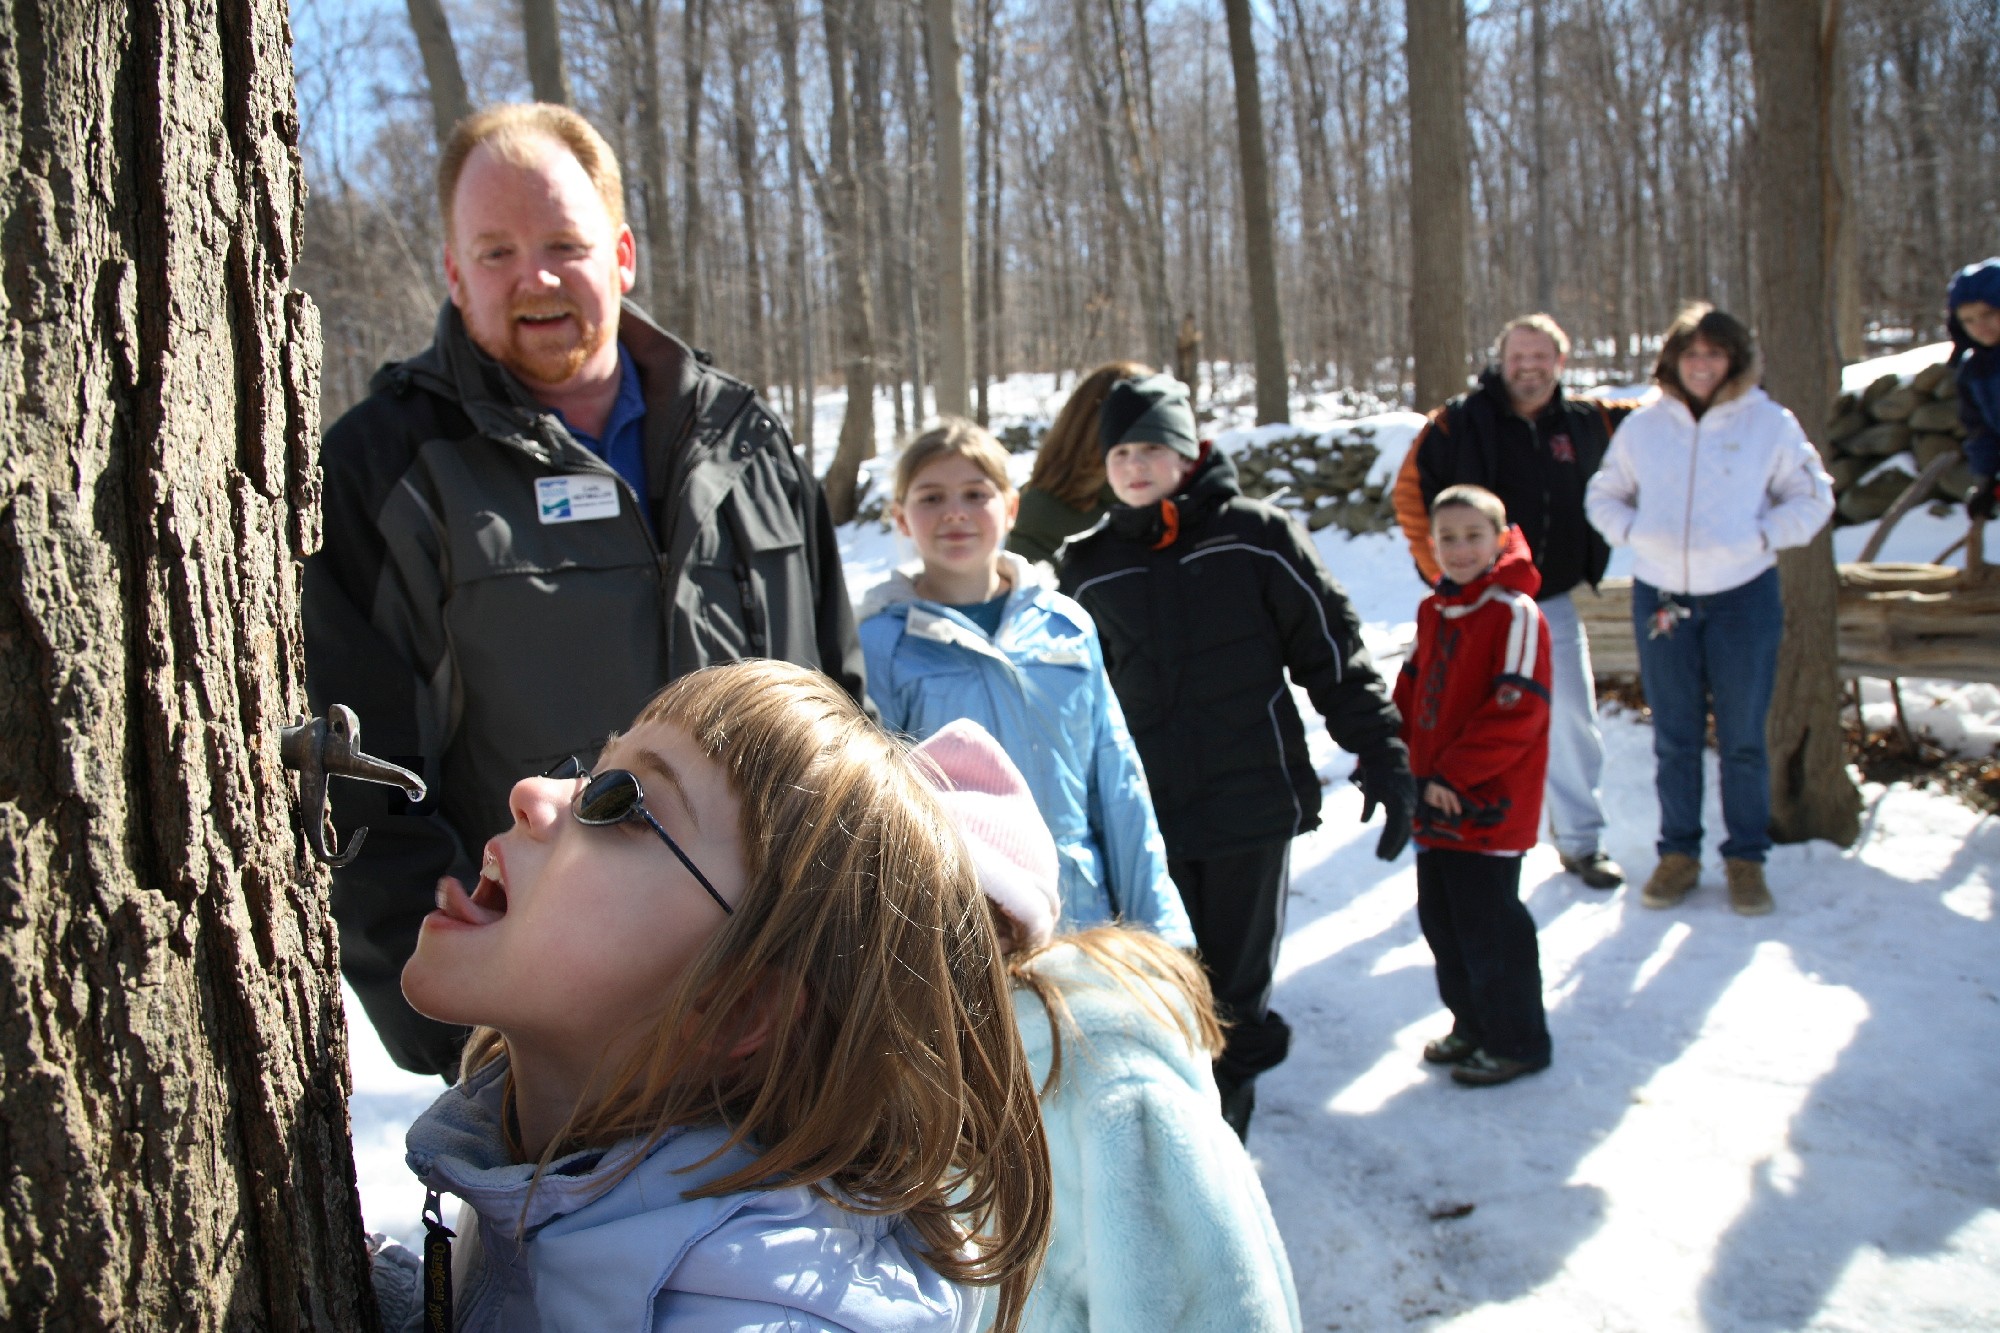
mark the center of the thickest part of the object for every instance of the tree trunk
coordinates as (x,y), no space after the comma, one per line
(850,254)
(449,102)
(1795,52)
(1267,325)
(743,140)
(785,16)
(915,152)
(1438,203)
(650,110)
(954,366)
(541,27)
(1545,239)
(174,1112)
(694,63)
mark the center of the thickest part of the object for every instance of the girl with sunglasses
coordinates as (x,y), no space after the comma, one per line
(728,1067)
(975,631)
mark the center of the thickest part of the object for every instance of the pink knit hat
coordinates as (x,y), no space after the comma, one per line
(990,804)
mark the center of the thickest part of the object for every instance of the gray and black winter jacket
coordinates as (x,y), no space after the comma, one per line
(1210,606)
(480,642)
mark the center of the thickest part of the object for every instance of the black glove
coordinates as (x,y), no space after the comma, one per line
(1383,774)
(1979,501)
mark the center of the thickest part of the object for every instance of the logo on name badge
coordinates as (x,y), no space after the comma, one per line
(575,499)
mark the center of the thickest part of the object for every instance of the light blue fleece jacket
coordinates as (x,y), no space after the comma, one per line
(1160,1221)
(568,1254)
(1038,685)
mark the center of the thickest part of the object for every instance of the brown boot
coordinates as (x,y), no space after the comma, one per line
(1747,892)
(1672,880)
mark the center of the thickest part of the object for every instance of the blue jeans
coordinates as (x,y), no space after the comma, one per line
(1576,747)
(1723,658)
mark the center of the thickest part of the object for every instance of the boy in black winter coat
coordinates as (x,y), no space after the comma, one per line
(1205,600)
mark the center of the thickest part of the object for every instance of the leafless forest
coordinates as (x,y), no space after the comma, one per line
(1610,171)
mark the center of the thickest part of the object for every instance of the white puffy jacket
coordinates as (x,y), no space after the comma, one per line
(1705,505)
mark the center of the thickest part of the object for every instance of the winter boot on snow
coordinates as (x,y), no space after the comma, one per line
(1450,1049)
(1596,870)
(1747,891)
(1483,1069)
(1672,880)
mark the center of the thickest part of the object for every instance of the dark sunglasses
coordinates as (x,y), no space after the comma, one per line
(615,797)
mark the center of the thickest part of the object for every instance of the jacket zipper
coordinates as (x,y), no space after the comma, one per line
(1687,524)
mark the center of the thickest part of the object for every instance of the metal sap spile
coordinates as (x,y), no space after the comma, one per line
(328,747)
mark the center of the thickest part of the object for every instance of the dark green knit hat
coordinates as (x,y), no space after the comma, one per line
(1153,410)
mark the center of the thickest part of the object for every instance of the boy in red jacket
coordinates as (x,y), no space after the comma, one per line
(1474,694)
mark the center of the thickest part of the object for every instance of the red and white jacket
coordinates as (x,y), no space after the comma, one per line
(1474,694)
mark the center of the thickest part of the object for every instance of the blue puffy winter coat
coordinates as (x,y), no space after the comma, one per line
(570,1251)
(1160,1220)
(1039,687)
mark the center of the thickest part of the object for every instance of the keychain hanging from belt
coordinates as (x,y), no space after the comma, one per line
(437,1267)
(1666,614)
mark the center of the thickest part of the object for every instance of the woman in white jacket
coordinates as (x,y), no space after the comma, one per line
(1706,484)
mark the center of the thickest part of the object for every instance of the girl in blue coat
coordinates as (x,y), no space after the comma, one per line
(1160,1220)
(728,1071)
(974,631)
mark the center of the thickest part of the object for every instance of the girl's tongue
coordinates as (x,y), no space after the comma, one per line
(482,907)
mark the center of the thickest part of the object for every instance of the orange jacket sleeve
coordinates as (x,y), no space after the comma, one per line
(1412,514)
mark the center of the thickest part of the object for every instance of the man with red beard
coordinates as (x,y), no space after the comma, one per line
(532,526)
(1519,436)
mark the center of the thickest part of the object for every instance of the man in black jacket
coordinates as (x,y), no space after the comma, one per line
(1206,601)
(530,528)
(1521,438)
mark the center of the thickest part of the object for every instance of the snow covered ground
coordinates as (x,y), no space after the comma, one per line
(1790,1122)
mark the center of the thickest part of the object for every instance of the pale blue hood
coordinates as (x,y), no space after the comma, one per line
(1038,686)
(572,1252)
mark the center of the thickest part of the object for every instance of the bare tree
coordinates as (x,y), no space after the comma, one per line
(1796,50)
(947,75)
(1267,323)
(688,311)
(173,1116)
(743,147)
(785,20)
(1438,202)
(449,101)
(857,315)
(541,29)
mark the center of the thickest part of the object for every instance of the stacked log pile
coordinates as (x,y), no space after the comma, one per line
(1894,620)
(1884,437)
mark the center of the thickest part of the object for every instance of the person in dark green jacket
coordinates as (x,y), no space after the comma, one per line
(1066,493)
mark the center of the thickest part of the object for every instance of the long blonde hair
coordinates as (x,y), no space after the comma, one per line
(1145,967)
(894,1080)
(1070,463)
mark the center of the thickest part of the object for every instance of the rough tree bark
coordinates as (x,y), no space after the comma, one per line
(1267,324)
(850,259)
(173,1116)
(785,19)
(541,32)
(694,64)
(1438,198)
(947,75)
(449,101)
(1795,50)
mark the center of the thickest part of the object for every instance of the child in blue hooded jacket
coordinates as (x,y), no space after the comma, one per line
(1973,303)
(728,1070)
(1160,1221)
(975,631)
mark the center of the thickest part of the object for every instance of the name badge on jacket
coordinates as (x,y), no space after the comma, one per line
(576,499)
